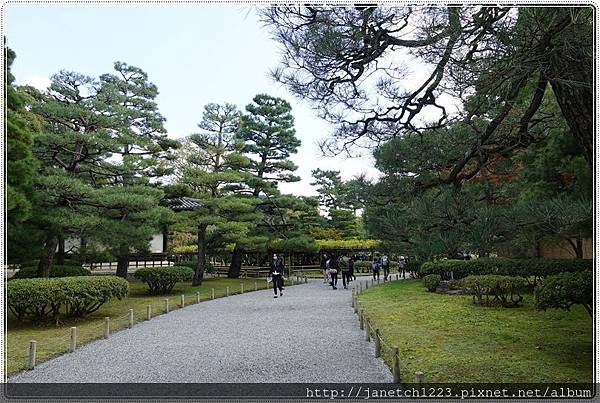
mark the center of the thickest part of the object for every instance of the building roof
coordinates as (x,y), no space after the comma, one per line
(184,203)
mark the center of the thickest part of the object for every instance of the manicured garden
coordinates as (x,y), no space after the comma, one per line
(53,338)
(451,339)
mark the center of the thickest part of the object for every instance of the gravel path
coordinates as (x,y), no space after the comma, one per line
(244,338)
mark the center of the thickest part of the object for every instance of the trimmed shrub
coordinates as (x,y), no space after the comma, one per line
(432,281)
(565,290)
(161,280)
(535,268)
(84,295)
(492,290)
(414,267)
(208,267)
(55,271)
(42,299)
(35,300)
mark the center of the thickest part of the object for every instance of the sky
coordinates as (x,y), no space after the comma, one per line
(195,54)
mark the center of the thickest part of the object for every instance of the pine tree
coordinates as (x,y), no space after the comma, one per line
(267,131)
(105,137)
(211,168)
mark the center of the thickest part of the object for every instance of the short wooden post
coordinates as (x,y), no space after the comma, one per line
(227,291)
(166,305)
(397,276)
(352,299)
(419,377)
(367,285)
(32,354)
(198,296)
(130,318)
(73,344)
(106,327)
(241,288)
(255,286)
(182,300)
(396,364)
(359,287)
(362,320)
(212,293)
(355,304)
(148,312)
(367,330)
(377,343)
(373,282)
(305,280)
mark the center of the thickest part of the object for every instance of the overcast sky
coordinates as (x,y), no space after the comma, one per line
(195,54)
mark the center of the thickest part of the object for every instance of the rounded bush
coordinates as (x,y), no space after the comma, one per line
(161,280)
(491,290)
(565,290)
(55,271)
(208,267)
(432,281)
(42,299)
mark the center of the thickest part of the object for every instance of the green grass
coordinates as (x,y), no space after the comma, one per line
(452,340)
(53,340)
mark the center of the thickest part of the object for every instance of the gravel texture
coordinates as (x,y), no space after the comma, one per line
(311,334)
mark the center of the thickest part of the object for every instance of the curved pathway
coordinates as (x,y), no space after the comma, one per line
(310,334)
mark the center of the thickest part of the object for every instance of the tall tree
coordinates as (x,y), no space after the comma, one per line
(267,131)
(211,167)
(104,138)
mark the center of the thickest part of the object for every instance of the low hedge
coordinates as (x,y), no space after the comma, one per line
(43,299)
(208,267)
(565,290)
(55,271)
(432,281)
(161,280)
(85,295)
(492,290)
(365,266)
(535,268)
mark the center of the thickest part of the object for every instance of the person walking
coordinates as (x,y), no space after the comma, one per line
(402,266)
(276,275)
(333,271)
(345,268)
(351,263)
(385,265)
(376,266)
(323,265)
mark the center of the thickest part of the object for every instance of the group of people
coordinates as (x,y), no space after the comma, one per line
(331,265)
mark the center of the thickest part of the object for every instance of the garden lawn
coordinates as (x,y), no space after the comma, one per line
(53,340)
(452,340)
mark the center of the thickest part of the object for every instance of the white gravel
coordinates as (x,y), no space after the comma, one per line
(311,334)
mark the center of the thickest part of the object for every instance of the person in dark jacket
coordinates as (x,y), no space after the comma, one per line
(351,263)
(344,264)
(276,274)
(333,271)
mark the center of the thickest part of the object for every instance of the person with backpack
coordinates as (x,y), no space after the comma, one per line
(276,274)
(344,264)
(333,271)
(376,266)
(385,265)
(351,263)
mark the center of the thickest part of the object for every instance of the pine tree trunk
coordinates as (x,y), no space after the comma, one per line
(579,248)
(201,264)
(235,267)
(60,255)
(83,250)
(123,261)
(47,257)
